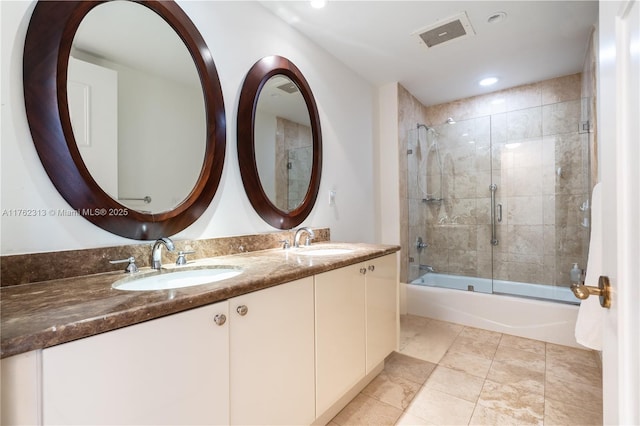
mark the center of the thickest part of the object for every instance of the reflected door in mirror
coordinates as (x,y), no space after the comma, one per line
(159,134)
(283,143)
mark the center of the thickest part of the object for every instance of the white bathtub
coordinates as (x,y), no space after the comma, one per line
(483,285)
(538,319)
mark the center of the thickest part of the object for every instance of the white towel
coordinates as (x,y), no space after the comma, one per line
(590,315)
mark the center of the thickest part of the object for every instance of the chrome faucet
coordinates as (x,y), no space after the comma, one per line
(307,241)
(427,268)
(156,252)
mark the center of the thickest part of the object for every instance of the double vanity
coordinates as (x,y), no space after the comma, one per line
(276,336)
(247,331)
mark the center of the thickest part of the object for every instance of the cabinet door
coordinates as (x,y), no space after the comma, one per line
(382,309)
(20,378)
(272,355)
(340,333)
(171,370)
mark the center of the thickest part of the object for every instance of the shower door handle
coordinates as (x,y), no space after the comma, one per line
(494,238)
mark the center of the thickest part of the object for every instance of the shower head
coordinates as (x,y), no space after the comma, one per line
(427,128)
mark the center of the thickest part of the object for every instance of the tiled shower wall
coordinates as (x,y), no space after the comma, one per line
(526,141)
(294,154)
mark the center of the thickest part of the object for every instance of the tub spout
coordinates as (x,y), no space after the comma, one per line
(427,268)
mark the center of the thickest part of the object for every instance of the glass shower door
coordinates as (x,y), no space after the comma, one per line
(540,169)
(449,173)
(501,203)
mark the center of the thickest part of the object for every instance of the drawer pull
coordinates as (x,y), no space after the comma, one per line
(220,319)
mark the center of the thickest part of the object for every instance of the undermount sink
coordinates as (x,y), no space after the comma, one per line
(323,251)
(168,280)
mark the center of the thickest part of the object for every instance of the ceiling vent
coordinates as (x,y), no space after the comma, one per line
(289,87)
(454,28)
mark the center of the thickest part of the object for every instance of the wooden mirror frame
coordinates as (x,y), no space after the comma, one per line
(255,80)
(47,48)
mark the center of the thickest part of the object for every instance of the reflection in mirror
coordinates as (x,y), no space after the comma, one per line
(279,142)
(136,106)
(46,61)
(283,143)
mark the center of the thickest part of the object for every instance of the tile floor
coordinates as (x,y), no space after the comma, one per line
(448,374)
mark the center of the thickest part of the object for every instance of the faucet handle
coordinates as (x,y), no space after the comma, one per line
(307,241)
(182,257)
(285,244)
(131,267)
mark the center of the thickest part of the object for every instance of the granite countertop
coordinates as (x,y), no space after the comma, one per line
(48,313)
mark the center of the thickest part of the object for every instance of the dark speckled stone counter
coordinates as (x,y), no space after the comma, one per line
(43,314)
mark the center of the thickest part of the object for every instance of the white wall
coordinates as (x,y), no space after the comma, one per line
(387,165)
(238,34)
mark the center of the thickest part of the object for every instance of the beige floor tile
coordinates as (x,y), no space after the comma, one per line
(474,365)
(408,419)
(568,392)
(411,322)
(478,377)
(410,326)
(480,334)
(470,346)
(409,368)
(529,345)
(577,356)
(393,390)
(520,404)
(433,341)
(455,383)
(438,408)
(444,325)
(571,370)
(559,413)
(364,410)
(530,360)
(522,377)
(483,416)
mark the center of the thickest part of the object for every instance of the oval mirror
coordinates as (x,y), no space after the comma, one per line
(279,142)
(128,123)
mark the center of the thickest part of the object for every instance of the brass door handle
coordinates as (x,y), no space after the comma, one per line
(603,291)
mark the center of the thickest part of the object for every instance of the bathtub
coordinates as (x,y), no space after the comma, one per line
(532,316)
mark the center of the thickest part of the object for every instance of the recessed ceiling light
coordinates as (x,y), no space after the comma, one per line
(496,17)
(488,81)
(318,4)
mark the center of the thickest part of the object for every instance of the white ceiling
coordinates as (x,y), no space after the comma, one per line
(538,40)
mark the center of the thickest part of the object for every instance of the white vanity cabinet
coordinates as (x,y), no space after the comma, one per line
(382,308)
(272,355)
(293,353)
(356,325)
(171,370)
(340,333)
(20,389)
